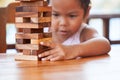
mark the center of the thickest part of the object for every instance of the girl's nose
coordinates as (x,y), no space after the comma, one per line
(63,21)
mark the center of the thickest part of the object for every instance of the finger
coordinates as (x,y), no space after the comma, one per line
(56,58)
(48,44)
(47,53)
(48,58)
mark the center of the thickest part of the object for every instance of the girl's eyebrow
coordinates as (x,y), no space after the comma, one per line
(71,12)
(55,11)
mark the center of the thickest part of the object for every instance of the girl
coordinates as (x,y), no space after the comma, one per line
(71,37)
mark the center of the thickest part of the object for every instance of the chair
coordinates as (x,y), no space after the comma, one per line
(2,30)
(7,15)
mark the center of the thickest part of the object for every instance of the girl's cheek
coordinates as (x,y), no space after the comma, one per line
(54,22)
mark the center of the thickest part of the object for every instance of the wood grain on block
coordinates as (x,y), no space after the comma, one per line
(19,30)
(41,19)
(35,3)
(37,41)
(46,14)
(35,52)
(26,0)
(33,14)
(32,19)
(26,52)
(33,25)
(28,46)
(28,25)
(29,36)
(47,35)
(23,41)
(27,14)
(27,30)
(45,24)
(26,57)
(33,9)
(22,19)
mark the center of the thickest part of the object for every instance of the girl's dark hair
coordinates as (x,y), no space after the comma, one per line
(84,3)
(48,1)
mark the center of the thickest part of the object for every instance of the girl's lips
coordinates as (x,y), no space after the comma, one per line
(63,32)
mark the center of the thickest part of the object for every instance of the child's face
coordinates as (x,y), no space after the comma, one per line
(67,16)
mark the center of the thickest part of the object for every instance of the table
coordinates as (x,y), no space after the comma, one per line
(104,67)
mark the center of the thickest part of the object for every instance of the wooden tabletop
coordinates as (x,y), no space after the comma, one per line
(104,67)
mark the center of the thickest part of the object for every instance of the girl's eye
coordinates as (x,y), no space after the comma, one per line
(56,15)
(72,16)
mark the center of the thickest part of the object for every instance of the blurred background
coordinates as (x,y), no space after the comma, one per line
(106,7)
(98,7)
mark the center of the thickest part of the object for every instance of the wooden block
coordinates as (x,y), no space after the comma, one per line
(35,52)
(29,36)
(22,19)
(28,46)
(28,25)
(37,41)
(19,30)
(41,19)
(28,14)
(47,14)
(26,0)
(26,52)
(47,35)
(26,57)
(33,26)
(35,3)
(33,9)
(27,30)
(32,19)
(45,24)
(23,41)
(33,14)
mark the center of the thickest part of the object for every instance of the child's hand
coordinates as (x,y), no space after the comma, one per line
(58,52)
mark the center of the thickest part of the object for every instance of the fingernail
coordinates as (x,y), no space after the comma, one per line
(41,43)
(39,55)
(51,59)
(43,59)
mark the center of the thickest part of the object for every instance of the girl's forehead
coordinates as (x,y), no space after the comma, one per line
(67,9)
(65,3)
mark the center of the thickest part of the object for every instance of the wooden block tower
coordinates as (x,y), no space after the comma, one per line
(33,19)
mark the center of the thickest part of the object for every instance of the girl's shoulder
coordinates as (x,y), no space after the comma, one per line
(87,33)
